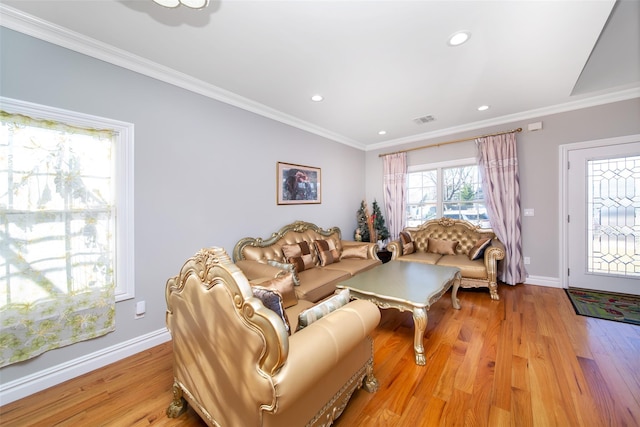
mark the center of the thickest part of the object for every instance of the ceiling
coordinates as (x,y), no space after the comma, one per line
(378,64)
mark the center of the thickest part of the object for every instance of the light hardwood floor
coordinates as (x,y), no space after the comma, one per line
(526,360)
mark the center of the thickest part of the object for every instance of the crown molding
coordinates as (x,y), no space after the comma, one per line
(30,25)
(27,24)
(593,101)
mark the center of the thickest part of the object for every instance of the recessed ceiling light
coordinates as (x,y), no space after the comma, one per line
(317,98)
(483,107)
(382,132)
(458,38)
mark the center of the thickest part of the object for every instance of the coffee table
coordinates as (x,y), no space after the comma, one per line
(406,286)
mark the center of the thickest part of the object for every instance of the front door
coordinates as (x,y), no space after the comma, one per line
(603,206)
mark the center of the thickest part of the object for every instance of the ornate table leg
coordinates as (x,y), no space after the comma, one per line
(454,292)
(420,325)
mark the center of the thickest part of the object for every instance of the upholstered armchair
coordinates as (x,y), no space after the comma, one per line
(236,364)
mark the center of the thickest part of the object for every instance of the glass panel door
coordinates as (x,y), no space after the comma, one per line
(604,218)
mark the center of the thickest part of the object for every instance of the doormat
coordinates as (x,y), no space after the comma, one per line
(606,305)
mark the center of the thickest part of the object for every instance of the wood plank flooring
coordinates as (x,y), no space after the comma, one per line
(526,360)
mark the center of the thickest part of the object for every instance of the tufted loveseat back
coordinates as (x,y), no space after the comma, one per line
(257,249)
(465,233)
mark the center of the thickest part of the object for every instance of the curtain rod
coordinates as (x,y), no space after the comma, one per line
(452,142)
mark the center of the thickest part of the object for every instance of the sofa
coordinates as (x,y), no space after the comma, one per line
(316,272)
(236,363)
(454,243)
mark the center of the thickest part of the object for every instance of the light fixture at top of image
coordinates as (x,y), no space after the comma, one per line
(193,4)
(317,98)
(483,108)
(382,132)
(459,38)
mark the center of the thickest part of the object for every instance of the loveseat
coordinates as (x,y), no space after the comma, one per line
(454,243)
(318,270)
(236,362)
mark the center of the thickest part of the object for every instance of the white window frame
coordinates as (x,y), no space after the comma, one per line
(458,163)
(124,161)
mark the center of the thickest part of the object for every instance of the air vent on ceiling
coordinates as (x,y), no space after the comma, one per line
(424,119)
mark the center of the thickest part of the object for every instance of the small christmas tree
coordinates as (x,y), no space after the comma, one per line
(362,232)
(371,228)
(378,222)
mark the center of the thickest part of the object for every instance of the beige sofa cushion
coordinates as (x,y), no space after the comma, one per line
(468,268)
(353,266)
(294,311)
(318,311)
(477,251)
(422,257)
(285,287)
(354,251)
(272,300)
(327,252)
(442,247)
(319,282)
(299,254)
(408,246)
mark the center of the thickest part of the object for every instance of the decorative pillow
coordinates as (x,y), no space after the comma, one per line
(442,247)
(477,251)
(408,247)
(283,283)
(327,252)
(272,300)
(299,255)
(286,267)
(320,310)
(355,251)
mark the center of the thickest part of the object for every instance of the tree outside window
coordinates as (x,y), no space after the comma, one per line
(60,237)
(452,192)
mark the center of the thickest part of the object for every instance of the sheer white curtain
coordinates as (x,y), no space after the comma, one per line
(498,162)
(57,244)
(395,184)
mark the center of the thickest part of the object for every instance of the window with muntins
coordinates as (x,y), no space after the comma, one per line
(66,212)
(451,189)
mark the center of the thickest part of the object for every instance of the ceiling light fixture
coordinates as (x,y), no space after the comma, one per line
(193,4)
(456,39)
(382,132)
(317,98)
(483,107)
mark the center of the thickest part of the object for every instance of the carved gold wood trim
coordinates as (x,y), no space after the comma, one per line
(449,222)
(333,409)
(187,397)
(213,267)
(298,227)
(418,309)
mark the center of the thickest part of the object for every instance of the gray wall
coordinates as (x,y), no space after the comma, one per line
(538,157)
(204,171)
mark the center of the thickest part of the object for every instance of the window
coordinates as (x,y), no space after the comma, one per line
(66,202)
(451,190)
(613,210)
(66,230)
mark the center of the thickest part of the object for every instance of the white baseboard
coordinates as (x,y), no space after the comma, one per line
(38,381)
(550,282)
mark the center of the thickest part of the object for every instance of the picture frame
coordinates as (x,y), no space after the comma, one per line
(298,184)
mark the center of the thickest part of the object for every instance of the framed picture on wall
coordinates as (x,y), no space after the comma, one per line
(298,184)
